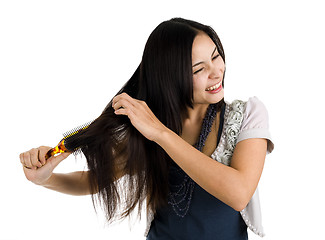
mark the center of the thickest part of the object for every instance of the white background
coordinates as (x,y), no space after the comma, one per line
(62,61)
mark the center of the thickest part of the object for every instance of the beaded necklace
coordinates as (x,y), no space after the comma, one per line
(180,194)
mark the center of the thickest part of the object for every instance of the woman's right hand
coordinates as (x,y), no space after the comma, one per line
(36,168)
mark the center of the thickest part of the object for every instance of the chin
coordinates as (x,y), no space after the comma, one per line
(209,98)
(218,97)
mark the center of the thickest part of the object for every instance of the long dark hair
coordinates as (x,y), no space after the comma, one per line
(111,145)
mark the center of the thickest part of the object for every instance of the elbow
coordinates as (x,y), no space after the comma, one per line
(239,206)
(240,201)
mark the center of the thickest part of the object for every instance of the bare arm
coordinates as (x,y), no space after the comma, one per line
(235,184)
(40,171)
(74,183)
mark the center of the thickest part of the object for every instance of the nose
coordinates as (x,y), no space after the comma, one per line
(215,72)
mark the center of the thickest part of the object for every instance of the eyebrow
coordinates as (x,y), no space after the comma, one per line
(203,62)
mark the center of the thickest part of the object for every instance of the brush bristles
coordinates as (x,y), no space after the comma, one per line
(72,138)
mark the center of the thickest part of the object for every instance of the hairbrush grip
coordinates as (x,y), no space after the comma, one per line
(70,142)
(60,148)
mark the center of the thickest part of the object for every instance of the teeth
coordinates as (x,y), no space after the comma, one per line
(214,87)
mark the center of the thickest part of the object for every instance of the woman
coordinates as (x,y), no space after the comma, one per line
(168,139)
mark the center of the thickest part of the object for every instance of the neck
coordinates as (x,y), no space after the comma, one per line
(196,114)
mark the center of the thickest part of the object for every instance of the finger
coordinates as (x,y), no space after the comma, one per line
(122,103)
(34,158)
(22,161)
(21,158)
(55,160)
(116,99)
(27,168)
(120,97)
(26,160)
(125,101)
(132,100)
(41,154)
(122,111)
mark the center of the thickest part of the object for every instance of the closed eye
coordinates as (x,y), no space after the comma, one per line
(215,57)
(198,71)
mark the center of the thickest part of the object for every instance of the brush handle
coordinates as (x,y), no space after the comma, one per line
(60,148)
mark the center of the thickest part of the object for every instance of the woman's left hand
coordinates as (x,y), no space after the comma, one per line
(140,115)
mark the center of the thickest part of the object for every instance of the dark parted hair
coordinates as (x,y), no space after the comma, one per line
(164,80)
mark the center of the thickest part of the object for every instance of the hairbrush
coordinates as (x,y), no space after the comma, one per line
(70,142)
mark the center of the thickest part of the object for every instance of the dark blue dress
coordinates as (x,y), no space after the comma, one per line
(206,218)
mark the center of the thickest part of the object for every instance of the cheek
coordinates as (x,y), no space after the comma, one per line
(223,67)
(195,88)
(220,65)
(195,82)
(197,85)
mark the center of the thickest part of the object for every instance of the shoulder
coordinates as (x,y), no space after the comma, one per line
(255,115)
(255,123)
(254,112)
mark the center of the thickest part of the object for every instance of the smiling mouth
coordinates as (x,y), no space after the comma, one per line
(214,87)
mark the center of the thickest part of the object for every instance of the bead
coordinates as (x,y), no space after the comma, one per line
(180,195)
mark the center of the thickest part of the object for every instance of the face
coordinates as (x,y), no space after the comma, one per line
(208,69)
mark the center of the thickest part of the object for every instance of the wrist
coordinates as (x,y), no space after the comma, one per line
(163,136)
(47,182)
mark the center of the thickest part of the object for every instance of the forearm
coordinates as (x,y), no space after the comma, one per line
(223,182)
(74,183)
